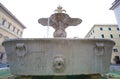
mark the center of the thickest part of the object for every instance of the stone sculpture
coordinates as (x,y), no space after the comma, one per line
(59,21)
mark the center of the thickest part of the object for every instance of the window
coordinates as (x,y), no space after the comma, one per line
(3,22)
(102,36)
(115,50)
(111,36)
(118,29)
(101,28)
(117,59)
(109,29)
(13,29)
(9,25)
(18,31)
(93,31)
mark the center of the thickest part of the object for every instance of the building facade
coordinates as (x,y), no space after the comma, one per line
(10,27)
(107,31)
(116,8)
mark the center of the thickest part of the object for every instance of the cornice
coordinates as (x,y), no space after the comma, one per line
(115,4)
(7,11)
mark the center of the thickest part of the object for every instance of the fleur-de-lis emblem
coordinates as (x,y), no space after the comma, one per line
(60,9)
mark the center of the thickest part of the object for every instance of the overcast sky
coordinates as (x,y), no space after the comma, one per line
(90,11)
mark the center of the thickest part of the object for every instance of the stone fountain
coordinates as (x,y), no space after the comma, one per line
(58,56)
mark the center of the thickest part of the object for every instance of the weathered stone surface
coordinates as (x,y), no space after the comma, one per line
(58,56)
(59,21)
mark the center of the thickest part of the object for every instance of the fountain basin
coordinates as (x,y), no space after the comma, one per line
(58,56)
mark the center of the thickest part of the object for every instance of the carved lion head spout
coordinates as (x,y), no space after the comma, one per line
(59,21)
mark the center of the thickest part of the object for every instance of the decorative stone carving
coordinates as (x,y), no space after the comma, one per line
(99,49)
(59,21)
(58,63)
(20,49)
(60,9)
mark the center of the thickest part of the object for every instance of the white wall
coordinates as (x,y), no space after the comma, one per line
(117,14)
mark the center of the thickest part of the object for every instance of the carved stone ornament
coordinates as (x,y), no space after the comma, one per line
(58,63)
(59,21)
(20,49)
(99,49)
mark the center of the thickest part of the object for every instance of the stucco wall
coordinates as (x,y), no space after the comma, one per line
(117,14)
